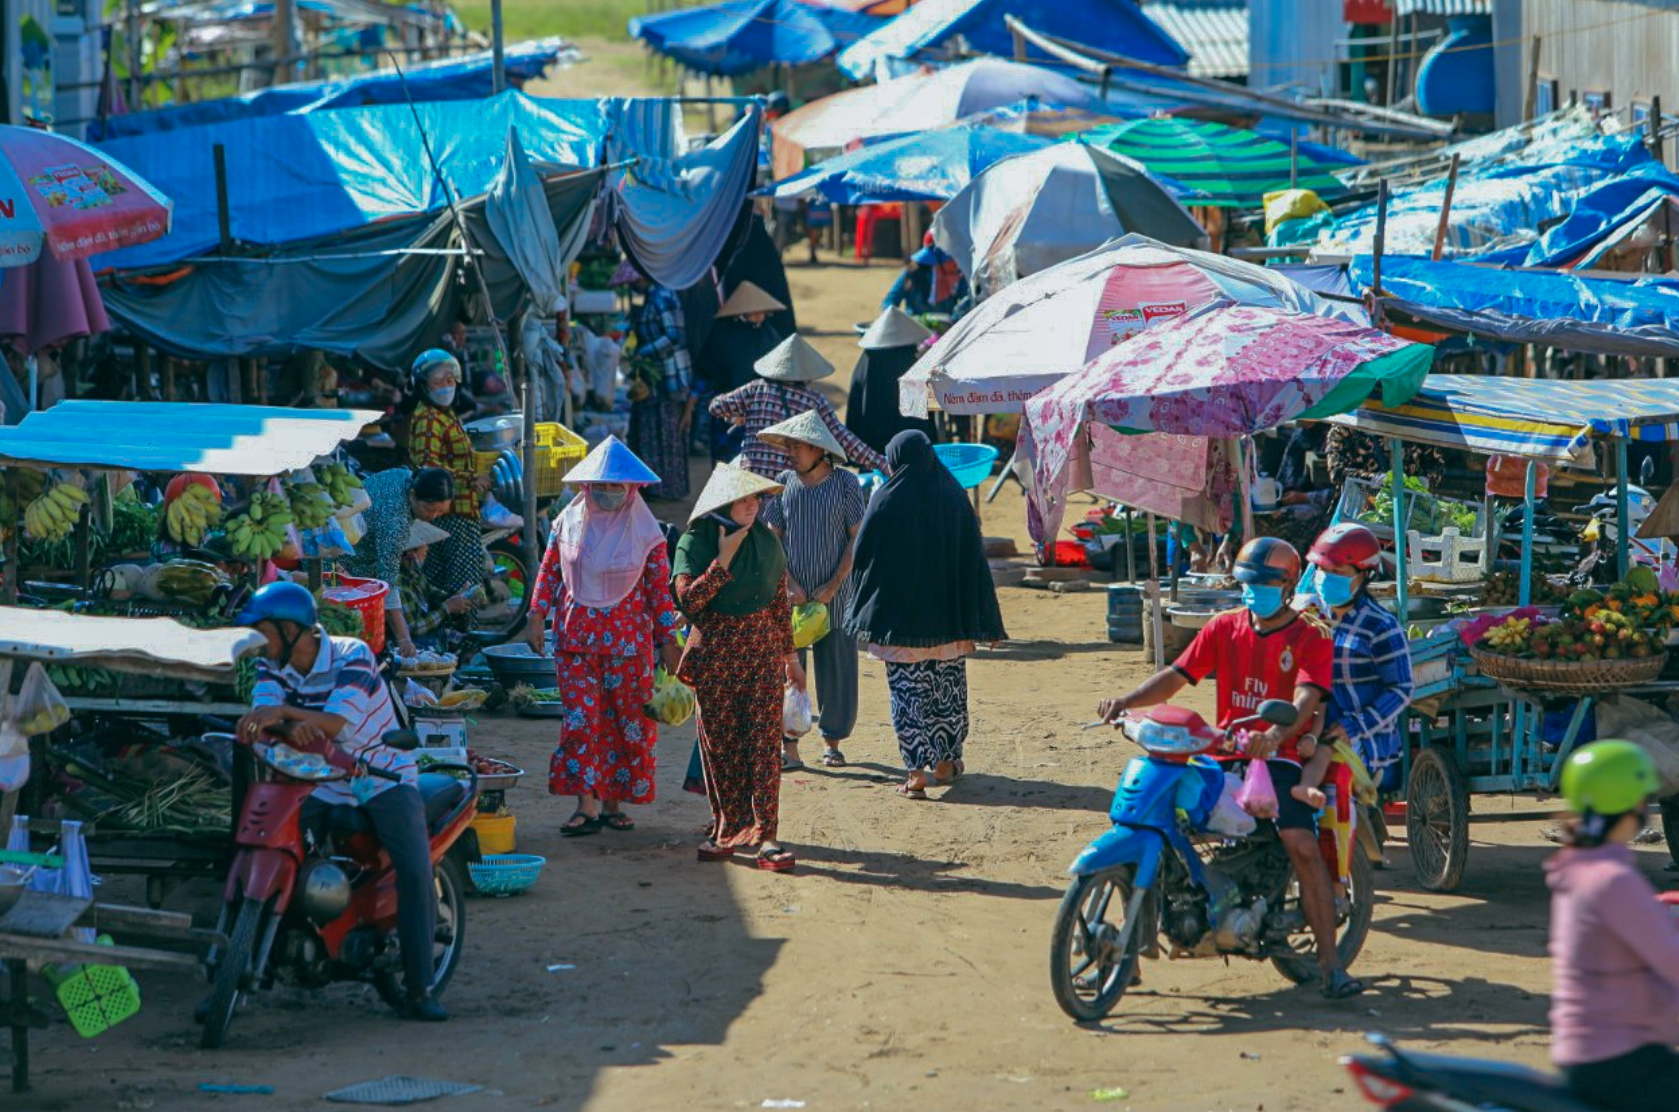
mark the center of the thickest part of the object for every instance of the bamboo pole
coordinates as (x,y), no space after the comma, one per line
(1446,210)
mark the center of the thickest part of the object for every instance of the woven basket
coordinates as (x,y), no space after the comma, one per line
(1577,677)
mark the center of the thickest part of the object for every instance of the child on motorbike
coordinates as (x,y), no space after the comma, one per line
(1614,947)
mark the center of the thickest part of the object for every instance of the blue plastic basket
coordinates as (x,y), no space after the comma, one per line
(504,874)
(970,463)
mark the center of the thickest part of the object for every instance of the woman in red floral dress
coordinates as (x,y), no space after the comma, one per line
(731,583)
(606,581)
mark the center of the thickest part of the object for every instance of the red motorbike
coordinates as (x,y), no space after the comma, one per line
(309,904)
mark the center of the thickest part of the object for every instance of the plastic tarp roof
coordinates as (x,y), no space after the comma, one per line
(929,166)
(145,645)
(254,440)
(297,177)
(1546,418)
(743,35)
(466,78)
(1117,26)
(918,102)
(1602,315)
(1600,215)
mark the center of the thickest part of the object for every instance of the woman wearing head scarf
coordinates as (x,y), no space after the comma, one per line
(605,579)
(741,334)
(921,598)
(436,438)
(730,582)
(889,349)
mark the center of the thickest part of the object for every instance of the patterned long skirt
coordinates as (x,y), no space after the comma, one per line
(739,689)
(929,710)
(607,741)
(457,563)
(656,436)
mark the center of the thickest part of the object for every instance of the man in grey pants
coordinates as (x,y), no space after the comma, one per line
(816,515)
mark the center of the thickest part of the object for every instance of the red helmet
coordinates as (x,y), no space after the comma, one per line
(1346,544)
(1268,560)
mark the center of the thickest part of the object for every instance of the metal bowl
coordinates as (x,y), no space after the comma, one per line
(1185,618)
(1416,607)
(499,782)
(492,434)
(515,663)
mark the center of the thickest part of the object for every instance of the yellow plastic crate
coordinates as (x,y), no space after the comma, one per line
(558,449)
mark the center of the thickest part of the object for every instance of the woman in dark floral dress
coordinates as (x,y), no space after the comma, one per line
(730,582)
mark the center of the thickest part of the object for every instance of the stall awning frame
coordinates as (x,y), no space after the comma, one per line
(147,646)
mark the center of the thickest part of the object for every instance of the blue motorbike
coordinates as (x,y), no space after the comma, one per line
(1161,876)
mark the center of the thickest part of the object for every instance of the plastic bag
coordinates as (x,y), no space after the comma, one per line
(672,702)
(1258,796)
(38,707)
(810,624)
(497,516)
(327,542)
(353,525)
(1228,815)
(795,712)
(418,694)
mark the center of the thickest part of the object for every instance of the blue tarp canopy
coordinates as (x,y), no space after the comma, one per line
(462,79)
(928,166)
(1117,26)
(296,177)
(1599,217)
(743,35)
(1562,310)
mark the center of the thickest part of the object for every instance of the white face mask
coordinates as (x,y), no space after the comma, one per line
(442,396)
(608,499)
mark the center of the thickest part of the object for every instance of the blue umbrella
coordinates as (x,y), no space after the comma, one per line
(739,36)
(924,166)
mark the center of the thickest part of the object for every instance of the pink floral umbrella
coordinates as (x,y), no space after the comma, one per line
(71,199)
(1224,371)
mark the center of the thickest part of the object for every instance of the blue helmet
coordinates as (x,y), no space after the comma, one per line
(428,361)
(280,602)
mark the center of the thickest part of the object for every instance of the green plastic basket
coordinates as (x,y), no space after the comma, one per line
(95,997)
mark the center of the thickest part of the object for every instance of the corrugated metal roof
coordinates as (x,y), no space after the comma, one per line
(252,440)
(145,645)
(1215,32)
(1442,7)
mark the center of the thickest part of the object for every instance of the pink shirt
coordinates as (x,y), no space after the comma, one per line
(1614,955)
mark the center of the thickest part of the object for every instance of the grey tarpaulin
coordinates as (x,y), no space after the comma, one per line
(674,216)
(518,214)
(381,292)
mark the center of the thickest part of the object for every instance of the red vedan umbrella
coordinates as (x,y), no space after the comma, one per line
(71,199)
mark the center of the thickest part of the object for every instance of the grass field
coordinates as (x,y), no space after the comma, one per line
(573,19)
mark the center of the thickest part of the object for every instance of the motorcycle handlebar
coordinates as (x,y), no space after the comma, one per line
(382,773)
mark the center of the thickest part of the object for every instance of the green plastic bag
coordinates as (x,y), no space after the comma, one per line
(810,624)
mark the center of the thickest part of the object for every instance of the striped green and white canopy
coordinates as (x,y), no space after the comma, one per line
(1224,167)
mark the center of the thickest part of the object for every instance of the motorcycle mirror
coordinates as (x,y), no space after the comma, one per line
(1647,471)
(1278,713)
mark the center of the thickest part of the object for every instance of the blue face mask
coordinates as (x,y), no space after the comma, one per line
(1263,600)
(1335,590)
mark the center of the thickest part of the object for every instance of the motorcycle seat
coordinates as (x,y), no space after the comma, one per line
(1501,1084)
(439,792)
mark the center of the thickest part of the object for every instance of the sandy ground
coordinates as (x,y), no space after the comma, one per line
(904,967)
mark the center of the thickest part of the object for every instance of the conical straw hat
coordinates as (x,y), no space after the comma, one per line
(793,360)
(423,532)
(1663,520)
(749,298)
(809,428)
(894,328)
(611,461)
(729,483)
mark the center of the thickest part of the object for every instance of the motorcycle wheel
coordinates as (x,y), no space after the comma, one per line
(449,881)
(509,574)
(1301,966)
(231,972)
(1087,976)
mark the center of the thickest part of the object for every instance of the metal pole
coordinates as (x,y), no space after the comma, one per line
(132,34)
(533,541)
(1294,160)
(1130,548)
(1623,536)
(224,219)
(498,61)
(1446,210)
(1156,616)
(1530,481)
(1401,535)
(1379,241)
(1531,107)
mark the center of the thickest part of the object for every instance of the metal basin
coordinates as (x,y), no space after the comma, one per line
(492,434)
(516,663)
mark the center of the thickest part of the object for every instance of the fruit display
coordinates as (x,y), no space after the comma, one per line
(311,506)
(192,514)
(1638,597)
(182,583)
(340,482)
(1503,588)
(52,516)
(262,530)
(1607,635)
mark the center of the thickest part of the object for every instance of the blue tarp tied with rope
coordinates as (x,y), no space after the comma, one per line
(743,35)
(929,166)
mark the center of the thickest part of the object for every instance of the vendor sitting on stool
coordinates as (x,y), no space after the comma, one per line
(427,609)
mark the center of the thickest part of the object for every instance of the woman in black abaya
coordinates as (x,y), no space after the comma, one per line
(890,348)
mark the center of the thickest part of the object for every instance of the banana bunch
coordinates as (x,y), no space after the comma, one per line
(260,532)
(310,504)
(1511,636)
(53,515)
(341,485)
(192,514)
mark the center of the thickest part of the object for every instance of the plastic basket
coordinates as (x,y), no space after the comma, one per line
(367,598)
(557,449)
(970,463)
(495,833)
(503,874)
(95,997)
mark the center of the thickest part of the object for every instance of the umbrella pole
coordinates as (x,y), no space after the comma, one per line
(1155,615)
(1244,485)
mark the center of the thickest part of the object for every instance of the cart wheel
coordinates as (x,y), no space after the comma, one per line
(1670,825)
(1437,820)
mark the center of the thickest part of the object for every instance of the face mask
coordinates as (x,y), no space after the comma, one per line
(442,396)
(1263,600)
(608,499)
(1336,590)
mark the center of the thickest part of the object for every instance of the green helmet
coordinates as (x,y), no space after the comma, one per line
(1608,778)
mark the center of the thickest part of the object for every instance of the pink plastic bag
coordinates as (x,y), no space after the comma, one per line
(1258,795)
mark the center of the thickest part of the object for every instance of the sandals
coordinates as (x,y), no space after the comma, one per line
(580,825)
(833,758)
(776,861)
(791,766)
(912,793)
(617,820)
(711,851)
(957,768)
(1339,985)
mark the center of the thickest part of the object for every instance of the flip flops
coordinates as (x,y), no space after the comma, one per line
(1339,985)
(777,861)
(833,758)
(711,851)
(575,829)
(617,820)
(912,793)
